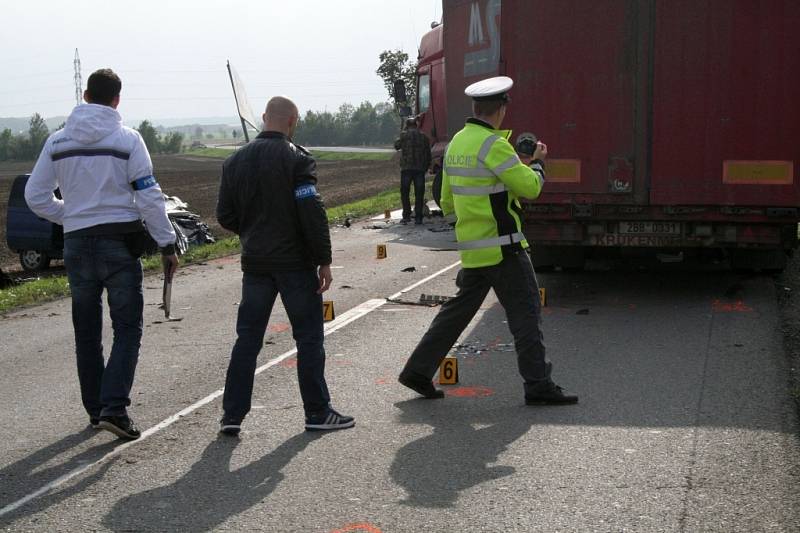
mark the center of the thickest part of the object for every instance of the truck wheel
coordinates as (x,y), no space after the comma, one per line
(33,260)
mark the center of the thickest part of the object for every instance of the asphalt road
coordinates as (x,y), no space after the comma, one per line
(685,421)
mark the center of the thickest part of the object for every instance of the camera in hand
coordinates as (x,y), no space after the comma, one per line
(526,144)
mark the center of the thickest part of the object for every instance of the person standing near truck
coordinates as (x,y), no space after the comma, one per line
(415,158)
(105,177)
(268,197)
(482,182)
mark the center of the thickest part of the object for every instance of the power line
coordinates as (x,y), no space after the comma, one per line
(31,104)
(40,88)
(38,75)
(203,98)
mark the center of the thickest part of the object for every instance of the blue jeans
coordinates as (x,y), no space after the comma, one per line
(298,290)
(94,264)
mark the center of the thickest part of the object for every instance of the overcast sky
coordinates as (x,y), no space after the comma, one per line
(171,54)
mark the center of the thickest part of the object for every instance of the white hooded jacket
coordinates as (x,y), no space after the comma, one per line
(104,174)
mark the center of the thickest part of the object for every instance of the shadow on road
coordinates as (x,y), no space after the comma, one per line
(671,350)
(210,493)
(43,466)
(458,454)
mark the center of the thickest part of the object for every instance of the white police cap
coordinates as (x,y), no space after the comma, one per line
(490,89)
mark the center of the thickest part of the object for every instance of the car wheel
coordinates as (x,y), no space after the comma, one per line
(33,260)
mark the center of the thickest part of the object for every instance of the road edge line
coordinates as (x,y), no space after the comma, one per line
(348,317)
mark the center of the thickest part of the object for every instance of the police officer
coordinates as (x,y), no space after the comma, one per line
(482,183)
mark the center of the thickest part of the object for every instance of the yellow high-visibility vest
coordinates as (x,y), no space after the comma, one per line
(482,182)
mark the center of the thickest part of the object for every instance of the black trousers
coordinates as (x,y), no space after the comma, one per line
(514,283)
(418,178)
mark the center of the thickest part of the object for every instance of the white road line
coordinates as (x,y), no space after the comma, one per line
(343,320)
(420,282)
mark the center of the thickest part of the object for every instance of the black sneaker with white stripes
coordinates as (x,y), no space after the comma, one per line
(228,426)
(328,420)
(120,425)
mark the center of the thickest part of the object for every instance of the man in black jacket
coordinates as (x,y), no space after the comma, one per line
(268,197)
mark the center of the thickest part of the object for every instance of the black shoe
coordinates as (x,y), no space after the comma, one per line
(405,221)
(122,426)
(328,420)
(418,222)
(421,385)
(231,427)
(94,421)
(549,393)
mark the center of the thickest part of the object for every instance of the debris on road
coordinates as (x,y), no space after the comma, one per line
(477,348)
(434,299)
(426,300)
(409,269)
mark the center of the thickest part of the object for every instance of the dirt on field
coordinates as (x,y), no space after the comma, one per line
(195,180)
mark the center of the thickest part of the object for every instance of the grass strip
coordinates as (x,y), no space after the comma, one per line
(370,206)
(51,288)
(319,155)
(40,290)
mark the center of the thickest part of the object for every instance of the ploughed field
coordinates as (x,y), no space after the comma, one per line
(195,180)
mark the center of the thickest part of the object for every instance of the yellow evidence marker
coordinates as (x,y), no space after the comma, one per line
(327,311)
(381,251)
(387,214)
(448,371)
(543,296)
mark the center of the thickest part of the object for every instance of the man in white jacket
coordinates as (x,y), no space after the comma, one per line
(104,174)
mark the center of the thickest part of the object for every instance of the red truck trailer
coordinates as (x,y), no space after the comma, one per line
(671,124)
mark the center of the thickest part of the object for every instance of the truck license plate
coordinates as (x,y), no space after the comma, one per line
(650,228)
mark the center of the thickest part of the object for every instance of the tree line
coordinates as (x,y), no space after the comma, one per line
(24,146)
(27,146)
(366,124)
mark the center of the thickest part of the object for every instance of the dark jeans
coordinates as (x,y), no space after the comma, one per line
(514,282)
(418,178)
(298,290)
(94,264)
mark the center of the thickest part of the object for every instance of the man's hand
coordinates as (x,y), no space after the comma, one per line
(170,263)
(541,151)
(526,159)
(325,278)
